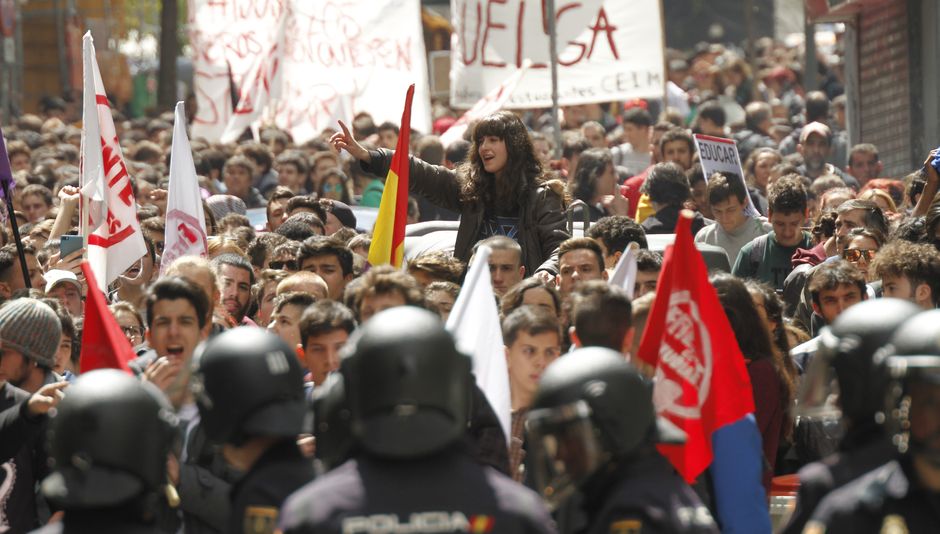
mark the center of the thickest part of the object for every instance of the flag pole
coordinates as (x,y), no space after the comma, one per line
(553,55)
(16,233)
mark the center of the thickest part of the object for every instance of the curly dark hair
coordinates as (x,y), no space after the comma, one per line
(523,170)
(617,231)
(918,262)
(787,195)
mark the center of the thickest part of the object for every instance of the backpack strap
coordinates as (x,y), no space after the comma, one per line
(757,251)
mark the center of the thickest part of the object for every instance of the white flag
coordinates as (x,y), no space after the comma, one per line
(624,274)
(474,322)
(260,87)
(185,222)
(92,168)
(115,242)
(489,104)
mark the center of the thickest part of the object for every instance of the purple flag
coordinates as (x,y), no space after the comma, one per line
(6,173)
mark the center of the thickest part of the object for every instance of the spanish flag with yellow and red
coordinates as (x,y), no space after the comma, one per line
(388,235)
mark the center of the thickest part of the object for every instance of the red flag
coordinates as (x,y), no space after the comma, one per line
(104,345)
(701,379)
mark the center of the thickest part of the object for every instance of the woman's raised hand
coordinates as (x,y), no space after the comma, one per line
(345,141)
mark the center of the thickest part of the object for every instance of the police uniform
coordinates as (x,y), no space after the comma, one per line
(257,497)
(448,492)
(846,355)
(593,430)
(887,500)
(645,495)
(891,499)
(249,390)
(109,444)
(96,524)
(818,479)
(408,393)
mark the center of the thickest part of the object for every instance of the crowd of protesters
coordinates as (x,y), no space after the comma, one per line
(833,231)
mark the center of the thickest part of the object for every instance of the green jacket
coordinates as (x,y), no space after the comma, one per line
(372,194)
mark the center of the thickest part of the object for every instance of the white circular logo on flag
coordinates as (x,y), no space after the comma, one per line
(683,376)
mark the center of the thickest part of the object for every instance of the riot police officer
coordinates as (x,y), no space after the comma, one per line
(408,392)
(845,357)
(249,389)
(593,430)
(109,444)
(903,495)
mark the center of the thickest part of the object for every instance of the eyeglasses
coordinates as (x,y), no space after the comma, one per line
(284,265)
(855,254)
(132,331)
(336,188)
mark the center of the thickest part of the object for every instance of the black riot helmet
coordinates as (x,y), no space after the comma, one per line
(841,379)
(248,382)
(331,422)
(407,385)
(591,407)
(108,442)
(912,361)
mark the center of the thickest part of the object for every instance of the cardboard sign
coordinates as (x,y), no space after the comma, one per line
(607,50)
(718,154)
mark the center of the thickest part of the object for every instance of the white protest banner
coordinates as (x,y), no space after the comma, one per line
(491,103)
(116,241)
(607,50)
(338,58)
(185,233)
(260,87)
(718,154)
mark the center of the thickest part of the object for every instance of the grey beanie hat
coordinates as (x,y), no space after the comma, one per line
(32,328)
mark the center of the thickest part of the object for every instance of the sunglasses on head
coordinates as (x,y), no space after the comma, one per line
(855,254)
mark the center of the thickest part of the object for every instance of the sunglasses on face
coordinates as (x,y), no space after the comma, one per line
(855,254)
(284,265)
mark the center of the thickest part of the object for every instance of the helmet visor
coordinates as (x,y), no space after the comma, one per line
(818,396)
(565,451)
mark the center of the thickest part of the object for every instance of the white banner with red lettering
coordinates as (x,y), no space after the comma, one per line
(337,58)
(185,233)
(607,50)
(115,241)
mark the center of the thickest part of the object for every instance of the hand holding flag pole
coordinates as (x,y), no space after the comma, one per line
(6,181)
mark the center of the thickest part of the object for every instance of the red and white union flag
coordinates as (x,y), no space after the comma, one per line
(115,241)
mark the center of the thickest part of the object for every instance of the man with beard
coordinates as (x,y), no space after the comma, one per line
(815,145)
(30,332)
(235,277)
(502,189)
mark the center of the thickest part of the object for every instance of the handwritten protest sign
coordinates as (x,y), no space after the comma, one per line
(607,50)
(337,58)
(718,154)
